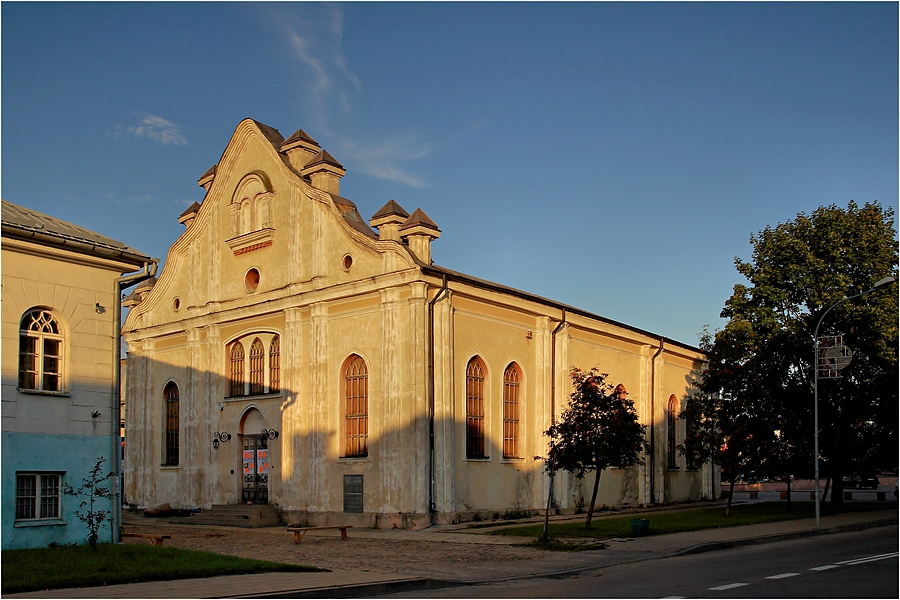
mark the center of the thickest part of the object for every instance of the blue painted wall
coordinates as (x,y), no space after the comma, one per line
(72,455)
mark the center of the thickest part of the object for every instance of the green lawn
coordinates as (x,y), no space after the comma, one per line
(78,566)
(685,520)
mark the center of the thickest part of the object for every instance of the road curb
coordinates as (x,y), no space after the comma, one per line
(359,590)
(780,537)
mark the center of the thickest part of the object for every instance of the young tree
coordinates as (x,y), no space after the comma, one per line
(599,429)
(92,487)
(761,363)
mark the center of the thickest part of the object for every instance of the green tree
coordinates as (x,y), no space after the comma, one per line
(92,487)
(599,429)
(761,363)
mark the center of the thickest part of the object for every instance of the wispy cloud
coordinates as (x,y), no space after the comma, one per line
(154,128)
(128,199)
(331,90)
(387,158)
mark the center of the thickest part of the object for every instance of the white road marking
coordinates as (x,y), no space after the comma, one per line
(824,567)
(853,560)
(782,576)
(722,588)
(673,598)
(860,561)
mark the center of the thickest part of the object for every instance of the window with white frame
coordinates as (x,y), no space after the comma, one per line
(254,365)
(37,496)
(41,345)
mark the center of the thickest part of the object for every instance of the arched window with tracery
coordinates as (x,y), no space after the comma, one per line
(236,372)
(511,382)
(41,346)
(475,409)
(356,407)
(670,431)
(257,367)
(170,393)
(275,365)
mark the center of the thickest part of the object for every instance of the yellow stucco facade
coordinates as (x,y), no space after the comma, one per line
(59,379)
(280,310)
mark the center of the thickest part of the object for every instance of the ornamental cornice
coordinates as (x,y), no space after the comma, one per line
(261,238)
(274,301)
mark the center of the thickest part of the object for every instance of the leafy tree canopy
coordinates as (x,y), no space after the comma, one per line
(760,376)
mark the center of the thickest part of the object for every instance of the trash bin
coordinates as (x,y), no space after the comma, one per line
(640,527)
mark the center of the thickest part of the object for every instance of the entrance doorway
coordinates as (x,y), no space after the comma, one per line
(254,458)
(255,488)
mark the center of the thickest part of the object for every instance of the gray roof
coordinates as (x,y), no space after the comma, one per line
(351,215)
(300,135)
(419,218)
(27,224)
(390,209)
(323,158)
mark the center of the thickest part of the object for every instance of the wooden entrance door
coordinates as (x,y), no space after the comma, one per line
(255,488)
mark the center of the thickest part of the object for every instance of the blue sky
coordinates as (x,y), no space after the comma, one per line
(616,157)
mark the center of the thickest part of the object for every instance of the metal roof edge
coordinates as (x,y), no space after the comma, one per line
(504,289)
(75,244)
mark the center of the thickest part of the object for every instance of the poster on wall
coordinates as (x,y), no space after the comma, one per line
(262,461)
(249,465)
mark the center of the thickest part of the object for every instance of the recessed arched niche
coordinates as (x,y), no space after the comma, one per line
(251,213)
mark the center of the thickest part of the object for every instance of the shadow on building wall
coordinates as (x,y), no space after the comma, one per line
(295,449)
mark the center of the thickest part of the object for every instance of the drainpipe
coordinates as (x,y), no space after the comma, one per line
(431,303)
(126,281)
(559,327)
(652,421)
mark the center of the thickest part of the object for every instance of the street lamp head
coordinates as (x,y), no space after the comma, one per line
(883,282)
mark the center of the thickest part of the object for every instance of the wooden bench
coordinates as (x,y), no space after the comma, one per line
(299,532)
(157,539)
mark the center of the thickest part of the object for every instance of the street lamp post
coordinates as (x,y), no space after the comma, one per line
(878,284)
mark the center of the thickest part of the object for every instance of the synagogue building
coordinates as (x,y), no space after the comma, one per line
(292,353)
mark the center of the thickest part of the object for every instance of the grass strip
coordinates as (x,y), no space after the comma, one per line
(684,520)
(78,566)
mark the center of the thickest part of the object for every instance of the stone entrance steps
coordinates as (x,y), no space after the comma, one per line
(235,515)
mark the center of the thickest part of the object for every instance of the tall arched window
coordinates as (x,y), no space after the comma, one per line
(40,352)
(670,431)
(257,367)
(356,407)
(511,411)
(275,365)
(236,374)
(621,392)
(475,409)
(172,400)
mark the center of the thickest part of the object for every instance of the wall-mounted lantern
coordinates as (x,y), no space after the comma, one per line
(220,437)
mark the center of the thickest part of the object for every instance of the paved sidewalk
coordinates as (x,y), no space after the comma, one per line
(345,583)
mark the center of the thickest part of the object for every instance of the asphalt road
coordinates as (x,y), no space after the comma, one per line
(849,565)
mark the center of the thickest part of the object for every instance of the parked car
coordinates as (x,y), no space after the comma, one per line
(751,478)
(861,481)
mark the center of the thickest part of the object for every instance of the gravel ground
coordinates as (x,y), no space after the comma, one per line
(327,550)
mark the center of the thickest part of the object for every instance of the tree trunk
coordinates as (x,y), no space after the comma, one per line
(730,496)
(587,524)
(545,536)
(821,500)
(837,493)
(788,479)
